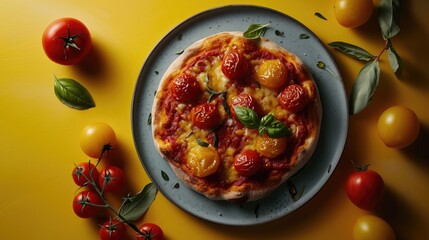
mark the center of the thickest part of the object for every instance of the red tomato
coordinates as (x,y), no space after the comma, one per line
(248,162)
(235,65)
(151,232)
(82,173)
(112,179)
(293,98)
(365,188)
(67,41)
(205,116)
(112,229)
(185,88)
(246,100)
(83,204)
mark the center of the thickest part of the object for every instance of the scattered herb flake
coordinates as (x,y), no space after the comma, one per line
(329,168)
(322,65)
(279,33)
(179,52)
(293,192)
(176,185)
(156,72)
(149,119)
(319,15)
(165,176)
(179,37)
(303,36)
(201,142)
(255,31)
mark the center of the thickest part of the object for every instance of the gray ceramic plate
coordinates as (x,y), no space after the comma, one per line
(333,130)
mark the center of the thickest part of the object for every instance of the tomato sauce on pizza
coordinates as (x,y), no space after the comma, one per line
(235,118)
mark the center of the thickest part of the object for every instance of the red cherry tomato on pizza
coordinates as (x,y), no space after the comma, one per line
(151,231)
(246,100)
(293,98)
(67,41)
(205,116)
(113,229)
(112,179)
(185,88)
(235,65)
(82,204)
(248,162)
(83,172)
(365,188)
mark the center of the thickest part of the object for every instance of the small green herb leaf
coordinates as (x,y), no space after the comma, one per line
(388,18)
(165,176)
(73,94)
(319,15)
(149,119)
(255,31)
(247,117)
(136,206)
(201,142)
(303,36)
(293,192)
(279,33)
(364,87)
(394,59)
(322,65)
(352,51)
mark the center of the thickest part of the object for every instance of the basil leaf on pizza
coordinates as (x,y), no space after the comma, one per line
(252,107)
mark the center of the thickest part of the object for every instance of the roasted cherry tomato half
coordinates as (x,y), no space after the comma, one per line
(83,172)
(235,65)
(245,100)
(248,162)
(365,188)
(398,127)
(83,204)
(205,116)
(294,98)
(113,229)
(150,231)
(370,227)
(353,13)
(112,179)
(94,137)
(185,88)
(67,41)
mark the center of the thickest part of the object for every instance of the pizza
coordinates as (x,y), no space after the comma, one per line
(235,118)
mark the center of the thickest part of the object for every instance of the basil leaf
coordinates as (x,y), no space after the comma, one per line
(364,87)
(394,59)
(255,31)
(73,94)
(267,120)
(247,117)
(352,51)
(303,36)
(388,18)
(165,176)
(136,206)
(278,129)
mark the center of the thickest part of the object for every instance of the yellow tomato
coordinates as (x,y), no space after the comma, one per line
(203,161)
(353,13)
(94,136)
(270,147)
(272,74)
(398,127)
(370,227)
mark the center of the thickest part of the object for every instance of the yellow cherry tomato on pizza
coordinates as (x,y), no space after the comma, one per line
(94,137)
(203,161)
(235,65)
(353,13)
(370,227)
(272,74)
(205,116)
(398,127)
(248,162)
(185,88)
(271,147)
(293,98)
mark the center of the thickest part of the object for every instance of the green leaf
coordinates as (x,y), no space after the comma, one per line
(136,206)
(319,15)
(73,94)
(303,36)
(247,117)
(274,128)
(388,18)
(255,31)
(352,51)
(394,59)
(364,87)
(165,176)
(201,142)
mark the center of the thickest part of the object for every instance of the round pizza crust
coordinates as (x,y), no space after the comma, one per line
(243,192)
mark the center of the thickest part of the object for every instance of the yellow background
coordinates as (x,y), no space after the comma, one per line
(40,137)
